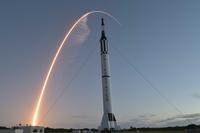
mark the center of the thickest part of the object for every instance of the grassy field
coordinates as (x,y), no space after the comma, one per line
(162,132)
(159,131)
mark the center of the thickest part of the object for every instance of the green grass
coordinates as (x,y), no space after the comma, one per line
(163,132)
(158,131)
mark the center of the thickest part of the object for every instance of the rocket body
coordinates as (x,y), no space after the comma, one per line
(105,70)
(108,121)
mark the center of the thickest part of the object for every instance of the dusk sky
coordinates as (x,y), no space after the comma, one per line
(161,39)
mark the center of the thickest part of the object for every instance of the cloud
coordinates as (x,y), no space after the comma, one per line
(196,95)
(141,121)
(155,120)
(180,120)
(147,116)
(189,116)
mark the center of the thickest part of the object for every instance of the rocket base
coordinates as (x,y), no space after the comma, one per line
(108,123)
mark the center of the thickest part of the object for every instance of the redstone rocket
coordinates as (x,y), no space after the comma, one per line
(108,122)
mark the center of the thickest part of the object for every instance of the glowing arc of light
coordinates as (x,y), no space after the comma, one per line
(35,116)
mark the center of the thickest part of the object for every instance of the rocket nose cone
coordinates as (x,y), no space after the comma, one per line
(102,22)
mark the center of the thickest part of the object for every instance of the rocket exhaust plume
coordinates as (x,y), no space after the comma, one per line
(35,116)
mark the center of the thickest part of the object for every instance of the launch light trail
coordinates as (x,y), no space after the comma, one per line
(35,116)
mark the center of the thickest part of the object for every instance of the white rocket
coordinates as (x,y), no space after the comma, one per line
(108,122)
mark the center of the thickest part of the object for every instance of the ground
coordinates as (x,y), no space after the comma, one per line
(158,131)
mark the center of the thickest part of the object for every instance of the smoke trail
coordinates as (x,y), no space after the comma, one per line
(35,116)
(82,31)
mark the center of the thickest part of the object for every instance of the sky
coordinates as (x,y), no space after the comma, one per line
(154,62)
